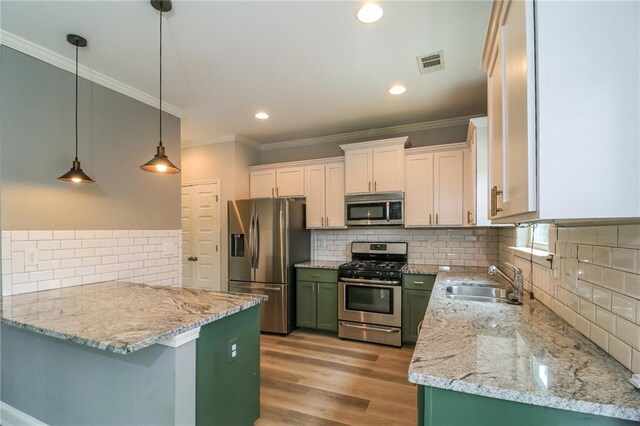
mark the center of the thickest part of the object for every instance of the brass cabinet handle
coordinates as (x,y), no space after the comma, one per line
(327,221)
(494,201)
(315,276)
(429,218)
(469,218)
(277,192)
(419,327)
(436,218)
(375,186)
(418,282)
(369,186)
(272,193)
(322,221)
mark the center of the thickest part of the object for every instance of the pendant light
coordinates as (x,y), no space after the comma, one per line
(75,174)
(160,163)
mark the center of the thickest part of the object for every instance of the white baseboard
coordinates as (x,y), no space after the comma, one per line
(10,416)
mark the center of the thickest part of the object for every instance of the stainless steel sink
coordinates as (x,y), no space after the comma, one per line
(479,294)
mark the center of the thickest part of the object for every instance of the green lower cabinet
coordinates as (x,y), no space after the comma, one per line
(317,300)
(327,307)
(441,407)
(228,389)
(306,302)
(414,306)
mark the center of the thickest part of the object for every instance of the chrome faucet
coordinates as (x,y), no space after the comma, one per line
(515,297)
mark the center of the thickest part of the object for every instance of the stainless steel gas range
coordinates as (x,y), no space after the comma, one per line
(370,293)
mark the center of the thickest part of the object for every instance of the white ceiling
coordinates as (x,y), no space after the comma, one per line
(311,65)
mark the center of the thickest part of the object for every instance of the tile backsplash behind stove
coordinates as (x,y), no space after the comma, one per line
(433,246)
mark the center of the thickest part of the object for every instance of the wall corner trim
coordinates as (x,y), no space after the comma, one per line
(181,339)
(36,51)
(10,416)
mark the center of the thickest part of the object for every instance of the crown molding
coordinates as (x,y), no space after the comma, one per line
(221,139)
(34,50)
(383,132)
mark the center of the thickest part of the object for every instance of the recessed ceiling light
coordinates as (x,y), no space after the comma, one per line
(369,13)
(397,89)
(261,115)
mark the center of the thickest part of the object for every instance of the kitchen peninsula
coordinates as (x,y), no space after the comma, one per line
(161,355)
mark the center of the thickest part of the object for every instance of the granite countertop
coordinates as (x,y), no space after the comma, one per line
(120,317)
(525,354)
(320,264)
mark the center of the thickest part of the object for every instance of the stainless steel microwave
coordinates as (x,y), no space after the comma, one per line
(375,210)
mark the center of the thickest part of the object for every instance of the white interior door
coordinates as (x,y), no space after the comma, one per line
(201,235)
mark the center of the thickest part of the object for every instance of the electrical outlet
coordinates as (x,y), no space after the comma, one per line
(31,257)
(232,349)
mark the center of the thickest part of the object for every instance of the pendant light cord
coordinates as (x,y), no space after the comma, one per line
(160,78)
(76,102)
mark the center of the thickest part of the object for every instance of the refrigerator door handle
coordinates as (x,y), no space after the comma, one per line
(257,245)
(251,244)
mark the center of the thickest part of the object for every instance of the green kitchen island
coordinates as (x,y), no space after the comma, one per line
(481,363)
(123,353)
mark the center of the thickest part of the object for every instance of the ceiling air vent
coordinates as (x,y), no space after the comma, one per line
(431,62)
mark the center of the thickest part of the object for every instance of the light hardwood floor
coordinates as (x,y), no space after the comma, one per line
(311,378)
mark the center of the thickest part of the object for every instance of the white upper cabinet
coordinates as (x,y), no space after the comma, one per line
(325,195)
(290,182)
(563,129)
(359,166)
(388,162)
(448,188)
(334,195)
(418,198)
(315,189)
(276,182)
(476,174)
(262,183)
(376,166)
(512,124)
(434,185)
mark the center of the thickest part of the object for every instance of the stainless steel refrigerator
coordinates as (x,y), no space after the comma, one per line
(266,238)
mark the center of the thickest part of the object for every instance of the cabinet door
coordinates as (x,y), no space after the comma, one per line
(334,196)
(448,187)
(418,197)
(327,306)
(306,300)
(290,182)
(519,139)
(468,206)
(414,306)
(388,168)
(262,183)
(358,171)
(315,189)
(494,100)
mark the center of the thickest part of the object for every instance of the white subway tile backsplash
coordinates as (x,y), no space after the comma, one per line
(70,258)
(598,287)
(624,259)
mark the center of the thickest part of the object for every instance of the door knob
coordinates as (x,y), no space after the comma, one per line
(190,258)
(195,259)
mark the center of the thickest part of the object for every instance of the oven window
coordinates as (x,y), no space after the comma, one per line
(369,299)
(373,211)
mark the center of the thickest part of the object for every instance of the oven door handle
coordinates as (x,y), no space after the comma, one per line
(370,328)
(365,282)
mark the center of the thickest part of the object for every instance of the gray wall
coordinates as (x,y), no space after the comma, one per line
(117,134)
(438,136)
(64,383)
(228,162)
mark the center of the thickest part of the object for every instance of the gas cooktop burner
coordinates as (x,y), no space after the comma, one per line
(372,265)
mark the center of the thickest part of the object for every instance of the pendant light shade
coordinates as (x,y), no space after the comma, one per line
(75,174)
(160,163)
